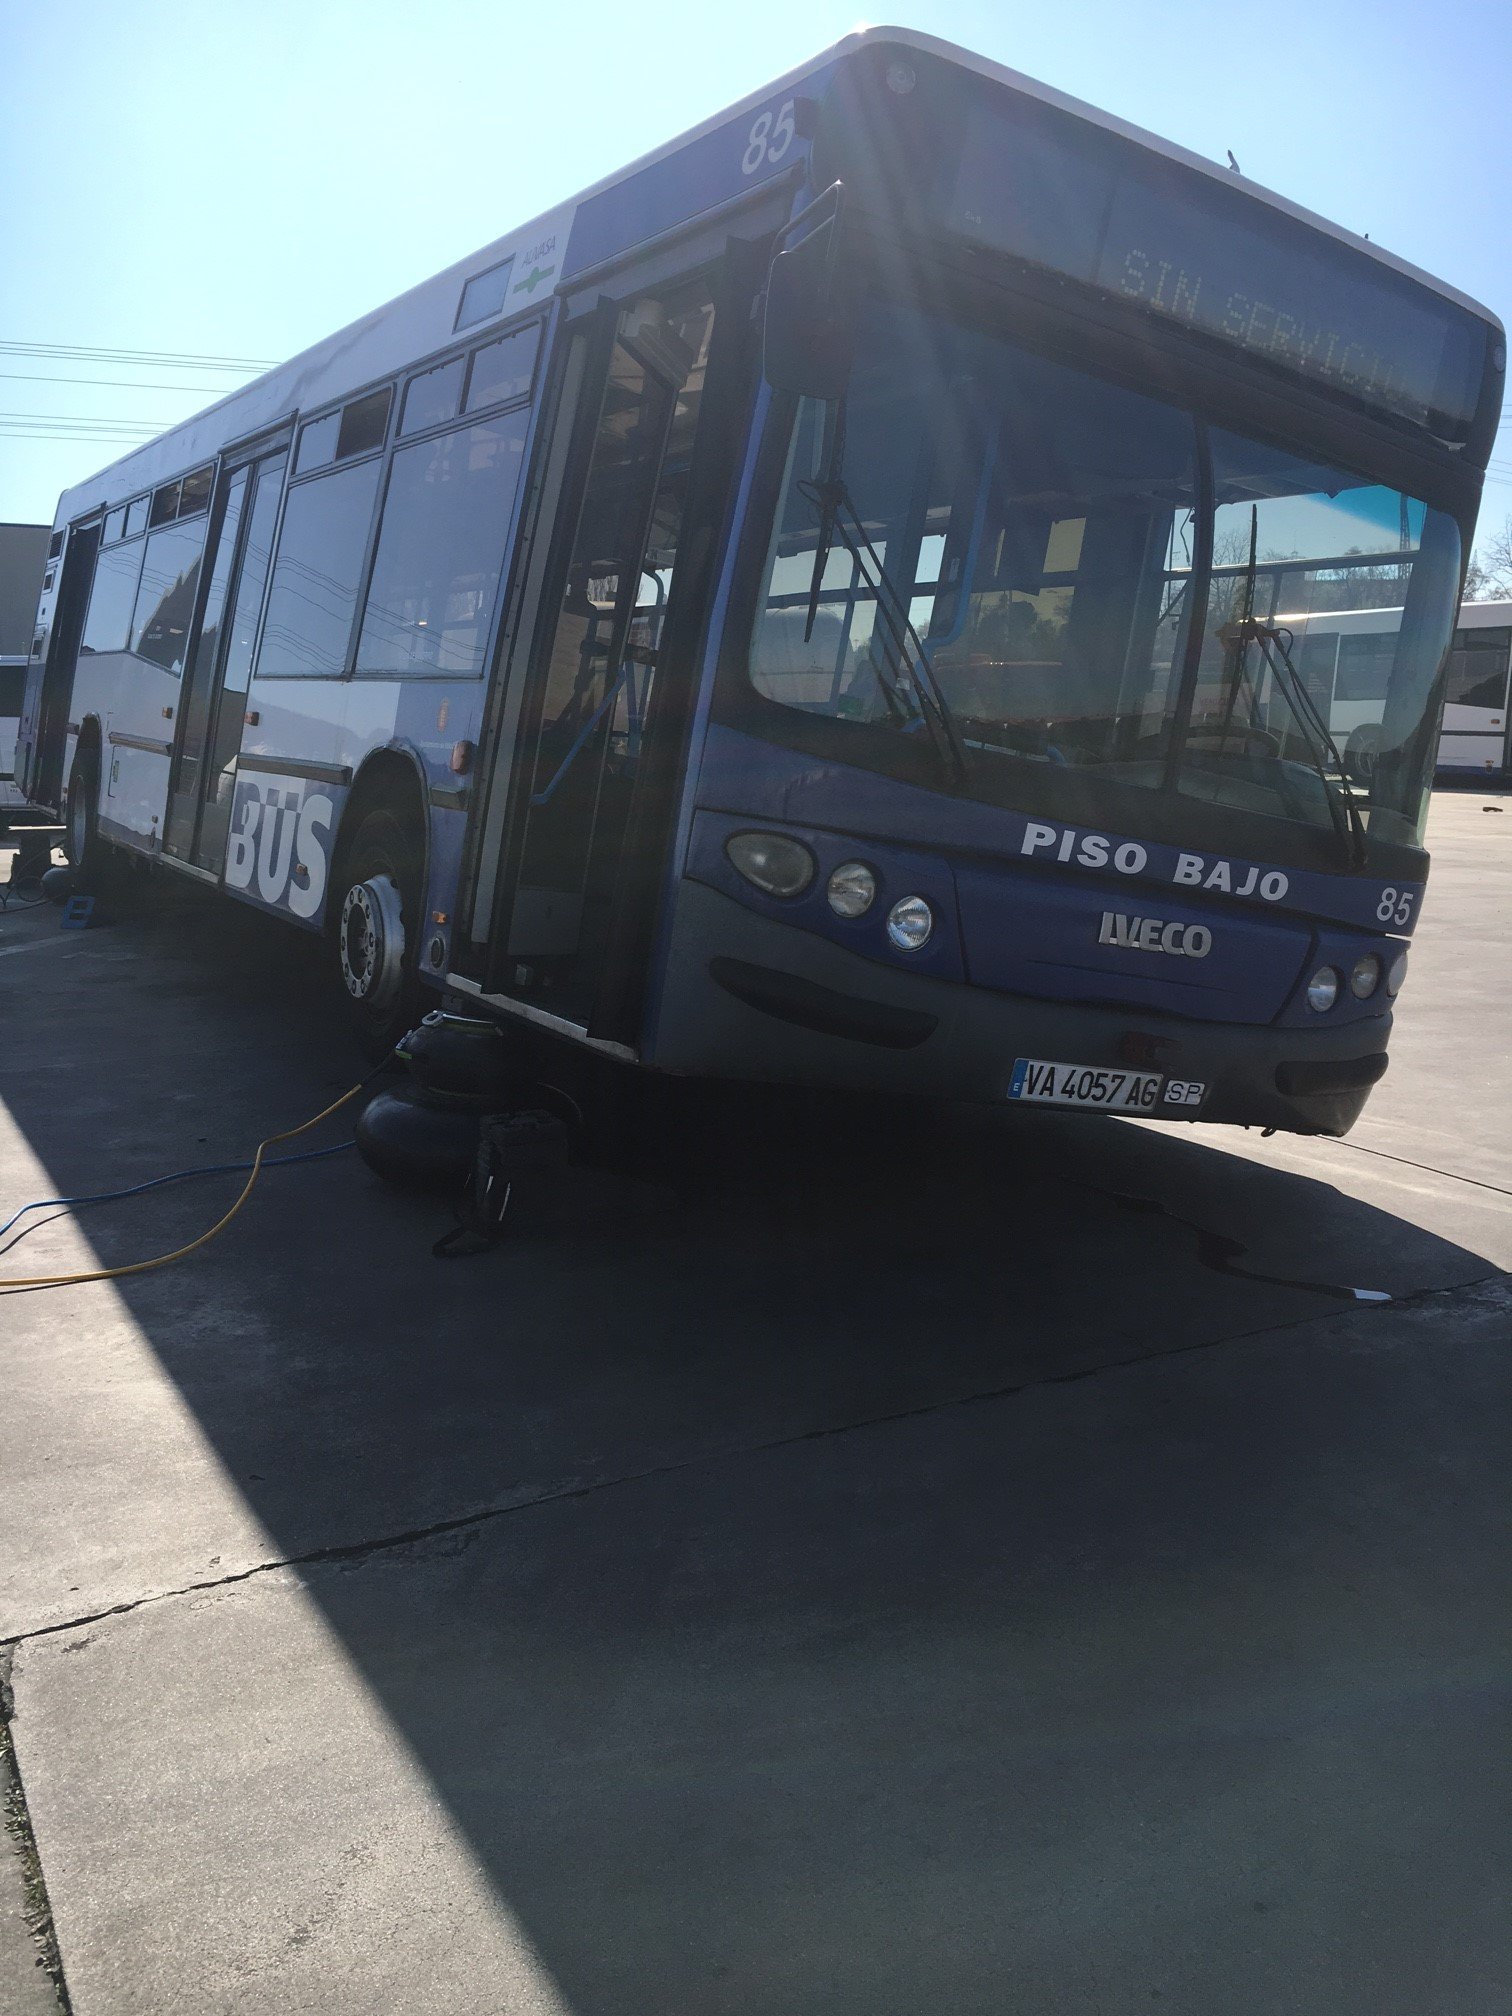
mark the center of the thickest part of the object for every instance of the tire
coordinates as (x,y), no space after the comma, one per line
(376,930)
(83,846)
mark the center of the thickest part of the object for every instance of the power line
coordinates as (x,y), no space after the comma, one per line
(87,419)
(62,427)
(115,384)
(11,433)
(145,359)
(31,421)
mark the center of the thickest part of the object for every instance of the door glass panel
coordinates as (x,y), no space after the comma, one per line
(241,636)
(199,685)
(597,676)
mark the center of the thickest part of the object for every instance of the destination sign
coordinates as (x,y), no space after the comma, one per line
(1034,182)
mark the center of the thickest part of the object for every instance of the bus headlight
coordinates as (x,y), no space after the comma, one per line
(1323,990)
(852,889)
(1396,973)
(909,923)
(771,862)
(1365,976)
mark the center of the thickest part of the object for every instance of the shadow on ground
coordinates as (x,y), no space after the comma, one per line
(996,1705)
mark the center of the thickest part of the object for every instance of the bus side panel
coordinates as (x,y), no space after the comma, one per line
(285,830)
(279,849)
(126,698)
(437,720)
(136,702)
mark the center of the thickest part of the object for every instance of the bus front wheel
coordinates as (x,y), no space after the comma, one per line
(377,930)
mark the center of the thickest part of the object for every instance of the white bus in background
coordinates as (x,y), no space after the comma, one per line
(24,558)
(1345,658)
(1477,731)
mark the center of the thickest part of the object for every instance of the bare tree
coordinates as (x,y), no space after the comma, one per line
(1489,575)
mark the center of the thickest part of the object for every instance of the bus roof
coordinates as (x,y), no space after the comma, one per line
(422,320)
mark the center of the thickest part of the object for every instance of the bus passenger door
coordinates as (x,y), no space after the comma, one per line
(587,720)
(215,684)
(49,693)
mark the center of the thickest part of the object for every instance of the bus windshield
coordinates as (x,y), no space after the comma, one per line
(1033,531)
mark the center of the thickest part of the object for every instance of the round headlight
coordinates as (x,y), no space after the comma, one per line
(852,889)
(1396,973)
(1365,976)
(909,923)
(1323,990)
(775,864)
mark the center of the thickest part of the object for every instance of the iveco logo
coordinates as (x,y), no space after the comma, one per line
(1149,934)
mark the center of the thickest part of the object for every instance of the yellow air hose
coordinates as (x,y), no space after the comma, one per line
(181,1252)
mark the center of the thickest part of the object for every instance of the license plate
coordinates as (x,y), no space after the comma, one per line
(1045,1084)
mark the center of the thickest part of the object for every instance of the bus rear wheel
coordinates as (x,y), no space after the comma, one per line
(82,814)
(377,931)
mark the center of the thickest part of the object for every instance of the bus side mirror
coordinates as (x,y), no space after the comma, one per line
(808,341)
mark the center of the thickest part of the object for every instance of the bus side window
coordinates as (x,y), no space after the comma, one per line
(441,544)
(313,599)
(1478,669)
(112,598)
(165,600)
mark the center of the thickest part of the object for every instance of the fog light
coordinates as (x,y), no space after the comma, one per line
(773,863)
(909,923)
(852,889)
(1396,973)
(1365,976)
(1323,990)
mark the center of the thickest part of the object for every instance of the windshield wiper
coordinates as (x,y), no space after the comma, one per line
(1343,802)
(1275,648)
(909,685)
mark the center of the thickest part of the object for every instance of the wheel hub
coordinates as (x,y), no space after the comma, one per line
(372,941)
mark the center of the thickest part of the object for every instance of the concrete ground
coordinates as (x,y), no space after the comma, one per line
(863,1567)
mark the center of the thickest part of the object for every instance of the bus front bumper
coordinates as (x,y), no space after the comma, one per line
(748,997)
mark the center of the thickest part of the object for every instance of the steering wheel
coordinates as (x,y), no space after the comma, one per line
(1216,740)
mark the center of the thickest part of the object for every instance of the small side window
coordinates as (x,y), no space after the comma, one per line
(432,396)
(136,516)
(55,546)
(503,370)
(165,504)
(357,429)
(115,527)
(194,491)
(484,296)
(364,424)
(317,444)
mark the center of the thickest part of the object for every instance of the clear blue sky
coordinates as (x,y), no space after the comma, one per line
(242,179)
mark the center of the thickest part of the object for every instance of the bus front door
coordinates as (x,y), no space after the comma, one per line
(212,710)
(588,723)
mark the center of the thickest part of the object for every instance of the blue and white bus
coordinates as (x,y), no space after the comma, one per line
(800,613)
